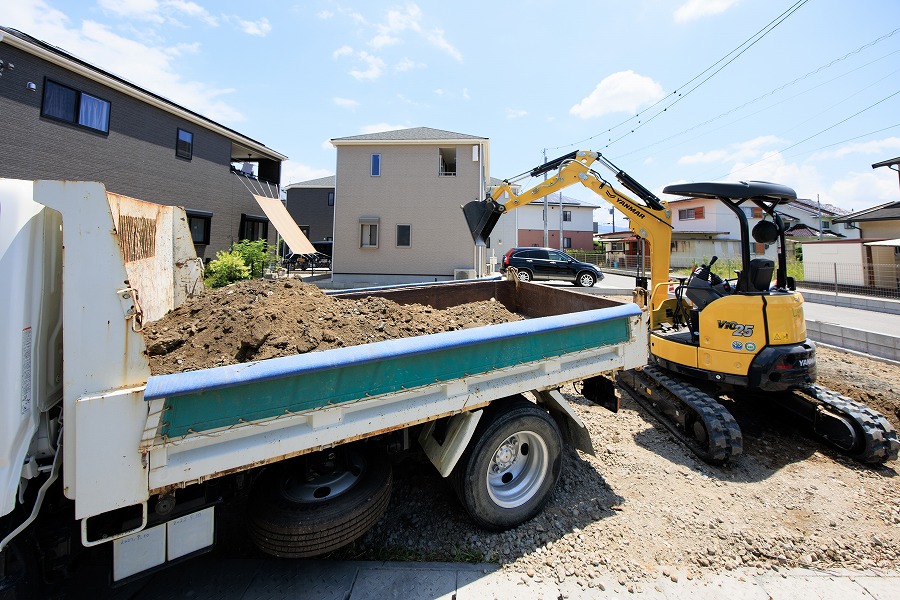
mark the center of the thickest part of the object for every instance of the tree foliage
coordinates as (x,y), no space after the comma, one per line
(227,267)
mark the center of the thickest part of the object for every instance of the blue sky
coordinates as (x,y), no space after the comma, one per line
(808,93)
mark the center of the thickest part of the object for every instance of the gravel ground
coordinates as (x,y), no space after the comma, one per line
(640,506)
(644,506)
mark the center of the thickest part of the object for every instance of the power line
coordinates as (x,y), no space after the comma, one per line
(778,89)
(830,127)
(749,43)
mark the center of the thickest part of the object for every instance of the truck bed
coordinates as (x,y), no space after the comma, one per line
(292,405)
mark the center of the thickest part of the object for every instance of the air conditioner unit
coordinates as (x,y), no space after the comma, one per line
(459,274)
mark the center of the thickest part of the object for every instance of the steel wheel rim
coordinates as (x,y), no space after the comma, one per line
(517,469)
(523,276)
(324,486)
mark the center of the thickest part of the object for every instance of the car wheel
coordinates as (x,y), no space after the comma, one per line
(512,465)
(524,275)
(585,279)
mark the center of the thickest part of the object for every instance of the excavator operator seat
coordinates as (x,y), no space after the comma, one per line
(761,270)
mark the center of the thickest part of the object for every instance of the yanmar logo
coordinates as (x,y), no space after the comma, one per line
(625,205)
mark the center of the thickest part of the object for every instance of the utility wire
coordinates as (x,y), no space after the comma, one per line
(856,114)
(778,89)
(750,42)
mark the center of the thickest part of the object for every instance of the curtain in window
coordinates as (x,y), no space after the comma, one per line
(94,113)
(59,101)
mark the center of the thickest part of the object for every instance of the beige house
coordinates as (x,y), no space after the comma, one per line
(397,215)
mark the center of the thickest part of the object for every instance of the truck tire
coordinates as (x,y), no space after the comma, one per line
(511,466)
(293,514)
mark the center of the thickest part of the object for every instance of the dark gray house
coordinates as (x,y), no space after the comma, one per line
(63,118)
(311,204)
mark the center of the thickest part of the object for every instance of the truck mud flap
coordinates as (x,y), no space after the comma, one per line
(571,426)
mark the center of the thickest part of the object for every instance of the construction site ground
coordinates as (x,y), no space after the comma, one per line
(639,516)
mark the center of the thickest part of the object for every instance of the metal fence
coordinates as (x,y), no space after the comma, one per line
(875,280)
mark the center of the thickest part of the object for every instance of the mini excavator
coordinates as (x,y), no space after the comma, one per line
(744,337)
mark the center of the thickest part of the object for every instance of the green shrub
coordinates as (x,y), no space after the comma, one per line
(227,267)
(256,254)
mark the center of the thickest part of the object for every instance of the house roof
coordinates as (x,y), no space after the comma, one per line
(882,212)
(887,163)
(805,231)
(566,200)
(60,57)
(406,136)
(321,182)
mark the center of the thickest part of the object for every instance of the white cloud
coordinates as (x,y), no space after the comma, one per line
(625,91)
(325,14)
(515,113)
(374,67)
(697,9)
(407,64)
(857,191)
(345,103)
(743,151)
(342,51)
(294,172)
(154,11)
(100,46)
(261,27)
(872,147)
(409,18)
(144,10)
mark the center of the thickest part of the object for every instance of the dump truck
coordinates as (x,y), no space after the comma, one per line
(98,454)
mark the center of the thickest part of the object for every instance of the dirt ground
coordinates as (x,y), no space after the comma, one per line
(640,504)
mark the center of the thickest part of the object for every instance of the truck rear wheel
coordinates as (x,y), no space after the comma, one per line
(319,503)
(512,464)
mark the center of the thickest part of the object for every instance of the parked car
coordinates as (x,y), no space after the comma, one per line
(320,260)
(547,263)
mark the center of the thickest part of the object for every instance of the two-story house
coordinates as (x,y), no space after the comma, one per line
(397,215)
(64,118)
(567,218)
(311,205)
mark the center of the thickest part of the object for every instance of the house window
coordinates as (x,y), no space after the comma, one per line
(376,165)
(752,212)
(184,144)
(850,225)
(199,222)
(687,214)
(617,247)
(567,215)
(682,246)
(403,236)
(826,224)
(567,242)
(330,198)
(368,232)
(67,104)
(253,228)
(447,159)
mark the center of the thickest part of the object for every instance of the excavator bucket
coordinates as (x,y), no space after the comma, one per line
(482,216)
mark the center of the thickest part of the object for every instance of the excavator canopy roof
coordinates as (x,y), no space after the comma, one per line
(742,190)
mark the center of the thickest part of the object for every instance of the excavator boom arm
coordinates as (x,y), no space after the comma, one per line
(651,221)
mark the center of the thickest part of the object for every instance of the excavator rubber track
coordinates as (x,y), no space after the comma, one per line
(869,437)
(693,416)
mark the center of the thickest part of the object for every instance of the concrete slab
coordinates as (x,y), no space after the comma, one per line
(279,579)
(794,587)
(880,588)
(402,583)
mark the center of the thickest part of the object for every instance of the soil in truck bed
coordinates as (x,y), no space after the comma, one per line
(260,319)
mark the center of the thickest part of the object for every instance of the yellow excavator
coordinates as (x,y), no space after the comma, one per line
(712,336)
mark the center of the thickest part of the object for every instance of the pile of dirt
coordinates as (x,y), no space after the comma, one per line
(260,319)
